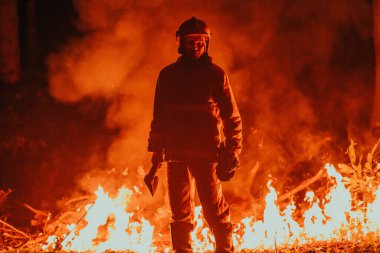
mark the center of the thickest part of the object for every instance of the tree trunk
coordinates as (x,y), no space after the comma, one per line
(9,42)
(375,122)
(31,49)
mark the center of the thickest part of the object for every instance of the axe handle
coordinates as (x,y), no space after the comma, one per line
(153,170)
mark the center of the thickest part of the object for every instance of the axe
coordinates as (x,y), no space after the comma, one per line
(151,180)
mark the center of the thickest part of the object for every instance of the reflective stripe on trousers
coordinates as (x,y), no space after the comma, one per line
(181,178)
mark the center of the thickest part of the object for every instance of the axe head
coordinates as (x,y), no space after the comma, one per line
(151,183)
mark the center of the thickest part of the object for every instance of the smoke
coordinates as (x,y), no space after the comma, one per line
(301,72)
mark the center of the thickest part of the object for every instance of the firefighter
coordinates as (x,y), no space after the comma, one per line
(196,123)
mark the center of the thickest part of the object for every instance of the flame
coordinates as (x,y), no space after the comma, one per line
(203,239)
(329,220)
(121,232)
(110,227)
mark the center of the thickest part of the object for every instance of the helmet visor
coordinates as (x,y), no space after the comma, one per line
(198,40)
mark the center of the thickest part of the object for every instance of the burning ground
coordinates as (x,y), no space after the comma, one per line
(303,76)
(345,219)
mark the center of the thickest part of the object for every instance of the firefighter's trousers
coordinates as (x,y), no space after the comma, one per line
(183,177)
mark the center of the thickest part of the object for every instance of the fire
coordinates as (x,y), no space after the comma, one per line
(203,239)
(120,233)
(332,219)
(337,216)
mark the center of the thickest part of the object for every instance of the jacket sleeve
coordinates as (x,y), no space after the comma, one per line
(229,113)
(155,141)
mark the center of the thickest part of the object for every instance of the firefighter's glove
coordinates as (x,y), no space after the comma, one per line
(228,163)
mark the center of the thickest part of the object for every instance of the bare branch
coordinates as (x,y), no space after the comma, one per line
(302,186)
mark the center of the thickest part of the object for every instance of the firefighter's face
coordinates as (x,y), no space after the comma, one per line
(194,46)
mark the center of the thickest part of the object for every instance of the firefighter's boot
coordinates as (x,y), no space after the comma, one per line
(223,238)
(181,239)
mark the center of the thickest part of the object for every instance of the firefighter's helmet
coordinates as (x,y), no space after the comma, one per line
(192,26)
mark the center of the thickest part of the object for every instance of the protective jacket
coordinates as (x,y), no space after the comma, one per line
(193,103)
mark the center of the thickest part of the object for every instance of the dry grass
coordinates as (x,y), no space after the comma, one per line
(361,177)
(367,245)
(319,247)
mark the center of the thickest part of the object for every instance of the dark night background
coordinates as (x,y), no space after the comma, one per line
(45,144)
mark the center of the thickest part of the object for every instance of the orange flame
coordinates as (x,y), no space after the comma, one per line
(334,220)
(121,232)
(327,220)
